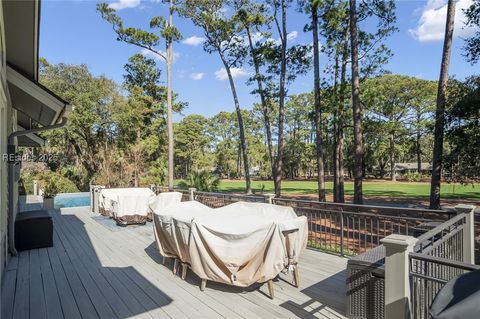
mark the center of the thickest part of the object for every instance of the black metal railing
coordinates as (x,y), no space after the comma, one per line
(428,274)
(445,240)
(185,194)
(216,200)
(344,229)
(350,229)
(437,258)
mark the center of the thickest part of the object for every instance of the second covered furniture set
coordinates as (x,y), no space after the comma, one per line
(126,205)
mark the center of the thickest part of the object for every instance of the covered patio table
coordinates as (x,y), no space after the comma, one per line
(239,244)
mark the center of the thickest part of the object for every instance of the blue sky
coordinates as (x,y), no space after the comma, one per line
(73,32)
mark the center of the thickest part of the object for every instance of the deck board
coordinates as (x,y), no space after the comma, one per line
(94,272)
(37,295)
(52,299)
(68,303)
(8,293)
(82,300)
(100,289)
(22,289)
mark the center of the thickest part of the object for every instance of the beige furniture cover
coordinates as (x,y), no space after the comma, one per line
(163,200)
(131,209)
(238,244)
(126,205)
(244,243)
(172,228)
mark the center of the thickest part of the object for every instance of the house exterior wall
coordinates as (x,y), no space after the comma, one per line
(4,124)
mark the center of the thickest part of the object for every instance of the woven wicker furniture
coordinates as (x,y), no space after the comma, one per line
(366,285)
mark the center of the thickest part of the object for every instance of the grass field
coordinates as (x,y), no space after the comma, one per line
(370,188)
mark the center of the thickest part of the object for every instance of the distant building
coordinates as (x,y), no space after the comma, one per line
(402,168)
(255,171)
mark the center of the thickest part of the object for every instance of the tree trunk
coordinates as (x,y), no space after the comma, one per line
(339,176)
(335,138)
(264,102)
(243,144)
(440,110)
(170,102)
(418,146)
(318,109)
(239,155)
(136,161)
(357,109)
(393,172)
(281,102)
(292,164)
(341,120)
(335,156)
(91,168)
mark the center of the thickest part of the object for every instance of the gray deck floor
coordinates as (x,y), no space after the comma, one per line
(96,271)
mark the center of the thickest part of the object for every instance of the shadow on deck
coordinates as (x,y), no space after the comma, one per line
(92,272)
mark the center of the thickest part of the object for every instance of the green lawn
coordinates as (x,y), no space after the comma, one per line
(370,188)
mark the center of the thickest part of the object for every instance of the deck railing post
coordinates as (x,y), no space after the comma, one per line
(468,232)
(192,191)
(269,198)
(397,281)
(92,197)
(35,188)
(341,233)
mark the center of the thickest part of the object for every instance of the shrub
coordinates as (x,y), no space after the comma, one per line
(203,181)
(413,176)
(62,184)
(50,189)
(156,175)
(76,174)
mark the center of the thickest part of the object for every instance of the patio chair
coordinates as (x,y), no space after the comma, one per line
(366,284)
(163,200)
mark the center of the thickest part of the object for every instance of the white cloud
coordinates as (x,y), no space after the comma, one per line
(256,37)
(193,40)
(197,76)
(292,36)
(149,54)
(124,4)
(236,73)
(431,24)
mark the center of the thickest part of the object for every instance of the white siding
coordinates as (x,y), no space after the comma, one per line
(3,147)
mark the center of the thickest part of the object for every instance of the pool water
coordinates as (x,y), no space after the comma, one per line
(72,200)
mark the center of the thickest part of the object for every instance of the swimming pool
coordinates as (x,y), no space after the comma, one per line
(72,200)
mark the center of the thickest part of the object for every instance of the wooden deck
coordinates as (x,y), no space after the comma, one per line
(96,271)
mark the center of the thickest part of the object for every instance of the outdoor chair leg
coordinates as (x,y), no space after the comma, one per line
(164,260)
(175,266)
(203,284)
(296,276)
(270,289)
(184,270)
